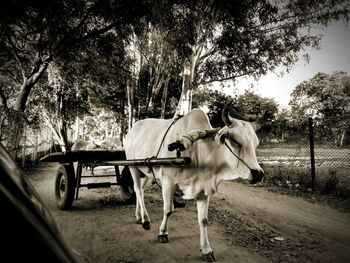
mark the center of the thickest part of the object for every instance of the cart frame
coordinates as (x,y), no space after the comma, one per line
(68,182)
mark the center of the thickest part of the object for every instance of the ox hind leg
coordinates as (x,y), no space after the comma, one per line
(202,210)
(144,181)
(168,190)
(141,211)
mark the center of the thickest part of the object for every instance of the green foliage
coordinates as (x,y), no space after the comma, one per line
(327,98)
(286,128)
(91,42)
(158,65)
(227,39)
(247,104)
(86,43)
(253,104)
(215,101)
(33,33)
(99,126)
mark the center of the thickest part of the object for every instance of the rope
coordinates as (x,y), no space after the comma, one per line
(147,160)
(239,159)
(165,134)
(147,163)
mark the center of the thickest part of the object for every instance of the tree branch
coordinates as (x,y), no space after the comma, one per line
(14,51)
(86,16)
(285,18)
(96,32)
(210,52)
(50,124)
(226,78)
(27,86)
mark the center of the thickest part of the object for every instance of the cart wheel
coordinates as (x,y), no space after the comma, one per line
(127,186)
(65,186)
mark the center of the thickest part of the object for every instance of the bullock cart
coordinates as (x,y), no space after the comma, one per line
(69,176)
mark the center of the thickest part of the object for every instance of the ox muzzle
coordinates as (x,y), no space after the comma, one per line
(257,175)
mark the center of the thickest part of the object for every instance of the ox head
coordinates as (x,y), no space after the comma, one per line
(239,141)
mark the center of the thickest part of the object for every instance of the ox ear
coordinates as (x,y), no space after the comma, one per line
(221,135)
(225,115)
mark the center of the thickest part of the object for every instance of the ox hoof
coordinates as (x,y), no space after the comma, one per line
(163,238)
(146,225)
(209,257)
(138,221)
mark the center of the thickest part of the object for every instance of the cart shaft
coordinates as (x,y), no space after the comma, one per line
(176,161)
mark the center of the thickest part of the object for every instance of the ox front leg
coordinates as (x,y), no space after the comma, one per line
(202,209)
(168,190)
(141,211)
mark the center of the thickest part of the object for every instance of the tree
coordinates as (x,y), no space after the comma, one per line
(206,41)
(245,106)
(326,97)
(33,34)
(214,100)
(154,66)
(223,40)
(75,84)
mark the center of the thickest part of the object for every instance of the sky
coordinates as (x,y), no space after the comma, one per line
(334,54)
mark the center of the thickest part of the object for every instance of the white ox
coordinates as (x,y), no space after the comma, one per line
(213,159)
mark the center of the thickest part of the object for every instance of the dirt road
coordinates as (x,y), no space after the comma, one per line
(247,224)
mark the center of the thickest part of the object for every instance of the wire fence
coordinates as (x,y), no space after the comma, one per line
(34,145)
(288,160)
(293,162)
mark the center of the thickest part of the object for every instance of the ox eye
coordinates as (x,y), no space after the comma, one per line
(233,140)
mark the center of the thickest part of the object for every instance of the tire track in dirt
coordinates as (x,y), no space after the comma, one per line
(242,222)
(101,226)
(243,232)
(251,217)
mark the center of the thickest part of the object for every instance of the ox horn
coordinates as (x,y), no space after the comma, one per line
(229,120)
(259,122)
(225,115)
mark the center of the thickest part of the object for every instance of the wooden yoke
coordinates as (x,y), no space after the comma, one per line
(188,139)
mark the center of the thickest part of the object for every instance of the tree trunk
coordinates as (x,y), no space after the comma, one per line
(342,138)
(16,122)
(130,95)
(77,127)
(189,75)
(157,84)
(164,98)
(122,127)
(35,151)
(58,130)
(151,101)
(57,122)
(185,101)
(106,132)
(28,84)
(24,145)
(63,138)
(17,118)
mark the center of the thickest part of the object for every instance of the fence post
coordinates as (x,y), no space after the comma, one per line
(312,152)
